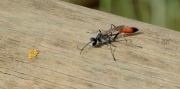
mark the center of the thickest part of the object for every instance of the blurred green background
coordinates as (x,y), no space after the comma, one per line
(164,13)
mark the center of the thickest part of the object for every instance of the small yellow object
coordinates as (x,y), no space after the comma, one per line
(33,53)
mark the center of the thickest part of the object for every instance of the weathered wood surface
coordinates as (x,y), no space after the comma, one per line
(55,28)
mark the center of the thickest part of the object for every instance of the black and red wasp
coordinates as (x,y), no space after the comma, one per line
(106,37)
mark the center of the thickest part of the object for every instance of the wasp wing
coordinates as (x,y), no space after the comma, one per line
(113,29)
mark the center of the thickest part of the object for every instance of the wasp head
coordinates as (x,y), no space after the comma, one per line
(93,41)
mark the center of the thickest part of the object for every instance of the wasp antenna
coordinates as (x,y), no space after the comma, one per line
(82,48)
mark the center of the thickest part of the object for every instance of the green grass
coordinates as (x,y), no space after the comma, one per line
(164,13)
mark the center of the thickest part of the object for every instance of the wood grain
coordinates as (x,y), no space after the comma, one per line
(55,28)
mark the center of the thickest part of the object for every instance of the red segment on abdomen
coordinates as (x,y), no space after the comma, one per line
(126,30)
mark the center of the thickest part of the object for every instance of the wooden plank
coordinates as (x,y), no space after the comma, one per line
(55,28)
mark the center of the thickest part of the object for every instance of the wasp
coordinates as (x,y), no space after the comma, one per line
(106,37)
